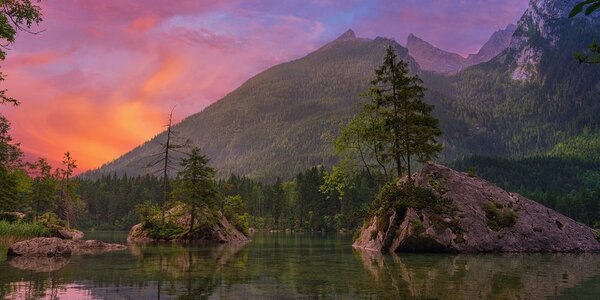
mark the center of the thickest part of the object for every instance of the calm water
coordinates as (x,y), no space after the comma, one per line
(305,266)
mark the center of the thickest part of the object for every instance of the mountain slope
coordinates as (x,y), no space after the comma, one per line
(431,58)
(498,42)
(281,121)
(534,94)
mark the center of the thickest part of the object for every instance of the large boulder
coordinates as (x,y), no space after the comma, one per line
(209,227)
(40,247)
(478,217)
(57,247)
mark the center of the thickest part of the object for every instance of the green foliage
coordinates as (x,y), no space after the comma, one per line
(499,217)
(163,231)
(395,125)
(585,147)
(589,5)
(195,185)
(50,220)
(15,15)
(111,201)
(233,209)
(23,229)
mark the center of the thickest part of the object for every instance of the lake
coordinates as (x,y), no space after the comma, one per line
(296,266)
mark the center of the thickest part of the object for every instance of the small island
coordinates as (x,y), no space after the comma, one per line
(451,211)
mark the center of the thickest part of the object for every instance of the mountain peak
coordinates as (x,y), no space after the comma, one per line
(349,34)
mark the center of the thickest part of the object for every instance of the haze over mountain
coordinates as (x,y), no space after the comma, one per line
(522,102)
(431,58)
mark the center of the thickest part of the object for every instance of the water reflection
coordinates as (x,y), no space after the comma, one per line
(297,266)
(38,264)
(484,276)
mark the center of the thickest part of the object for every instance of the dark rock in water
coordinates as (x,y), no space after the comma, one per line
(483,218)
(38,263)
(56,247)
(218,230)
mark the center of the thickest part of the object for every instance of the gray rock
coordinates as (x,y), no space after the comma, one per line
(56,247)
(69,234)
(535,229)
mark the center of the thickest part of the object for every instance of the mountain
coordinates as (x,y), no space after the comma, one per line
(498,42)
(431,58)
(524,101)
(281,121)
(534,94)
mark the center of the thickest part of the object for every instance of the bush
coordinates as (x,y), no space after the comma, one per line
(166,231)
(50,220)
(498,216)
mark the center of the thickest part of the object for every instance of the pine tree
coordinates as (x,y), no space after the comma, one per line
(195,184)
(396,124)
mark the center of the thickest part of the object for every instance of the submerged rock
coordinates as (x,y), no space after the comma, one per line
(208,227)
(56,247)
(479,217)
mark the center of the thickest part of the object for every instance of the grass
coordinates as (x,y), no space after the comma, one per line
(14,232)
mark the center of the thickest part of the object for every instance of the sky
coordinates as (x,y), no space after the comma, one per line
(101,76)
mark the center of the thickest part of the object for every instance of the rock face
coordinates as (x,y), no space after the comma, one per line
(484,218)
(56,247)
(219,231)
(498,42)
(431,58)
(69,234)
(537,30)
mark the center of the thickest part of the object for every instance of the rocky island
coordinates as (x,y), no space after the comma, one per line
(209,226)
(471,215)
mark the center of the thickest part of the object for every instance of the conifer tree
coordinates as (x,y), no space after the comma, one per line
(195,184)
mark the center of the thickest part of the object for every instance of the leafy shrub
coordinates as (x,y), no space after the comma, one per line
(498,216)
(166,231)
(233,209)
(50,219)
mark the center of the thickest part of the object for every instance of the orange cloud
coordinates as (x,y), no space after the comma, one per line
(142,24)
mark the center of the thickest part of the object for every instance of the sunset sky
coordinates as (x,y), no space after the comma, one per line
(102,75)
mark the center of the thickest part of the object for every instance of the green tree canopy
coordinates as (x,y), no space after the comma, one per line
(195,184)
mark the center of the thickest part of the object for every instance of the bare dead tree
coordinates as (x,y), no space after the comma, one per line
(174,144)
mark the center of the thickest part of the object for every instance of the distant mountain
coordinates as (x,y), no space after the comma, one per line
(498,42)
(431,58)
(524,101)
